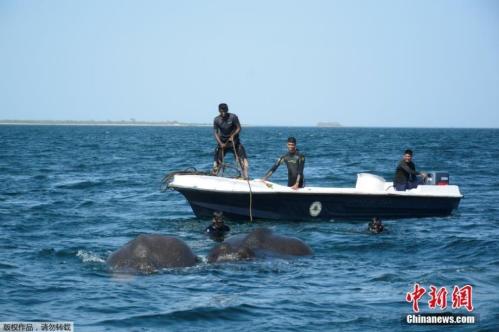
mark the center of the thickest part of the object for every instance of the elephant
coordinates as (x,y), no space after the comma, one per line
(148,253)
(259,243)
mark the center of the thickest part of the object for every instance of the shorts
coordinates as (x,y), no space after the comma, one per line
(220,153)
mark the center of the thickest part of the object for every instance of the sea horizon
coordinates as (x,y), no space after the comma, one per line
(175,123)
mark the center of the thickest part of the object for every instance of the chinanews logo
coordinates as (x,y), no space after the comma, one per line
(440,311)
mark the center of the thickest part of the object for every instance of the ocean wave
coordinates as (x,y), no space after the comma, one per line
(387,277)
(371,246)
(41,206)
(59,253)
(205,313)
(5,265)
(12,193)
(89,257)
(84,184)
(86,204)
(68,253)
(465,242)
(47,252)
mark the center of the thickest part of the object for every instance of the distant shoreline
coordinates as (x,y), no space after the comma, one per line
(102,123)
(136,123)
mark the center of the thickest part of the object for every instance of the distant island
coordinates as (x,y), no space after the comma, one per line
(131,122)
(329,124)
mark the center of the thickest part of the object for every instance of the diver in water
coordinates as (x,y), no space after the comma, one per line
(406,176)
(376,226)
(226,128)
(217,229)
(295,161)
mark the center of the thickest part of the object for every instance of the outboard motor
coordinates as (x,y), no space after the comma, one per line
(437,178)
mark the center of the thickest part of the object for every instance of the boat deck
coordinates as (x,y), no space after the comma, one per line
(220,184)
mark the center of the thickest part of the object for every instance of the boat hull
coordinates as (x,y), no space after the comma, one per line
(296,206)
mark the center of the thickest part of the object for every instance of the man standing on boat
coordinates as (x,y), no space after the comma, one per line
(226,128)
(406,176)
(295,161)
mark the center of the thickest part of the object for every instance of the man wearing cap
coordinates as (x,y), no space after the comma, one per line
(226,128)
(406,176)
(295,161)
(217,229)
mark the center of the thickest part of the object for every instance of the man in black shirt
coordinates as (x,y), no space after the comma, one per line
(217,229)
(295,161)
(406,176)
(226,128)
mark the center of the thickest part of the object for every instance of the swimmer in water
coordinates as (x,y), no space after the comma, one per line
(376,226)
(217,229)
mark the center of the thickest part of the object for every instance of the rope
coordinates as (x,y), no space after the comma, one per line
(247,179)
(250,201)
(168,178)
(222,166)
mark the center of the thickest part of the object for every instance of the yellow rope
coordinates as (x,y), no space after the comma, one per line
(247,179)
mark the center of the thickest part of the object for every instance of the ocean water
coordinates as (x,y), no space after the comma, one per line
(71,195)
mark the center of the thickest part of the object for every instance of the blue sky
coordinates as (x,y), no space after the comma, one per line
(361,63)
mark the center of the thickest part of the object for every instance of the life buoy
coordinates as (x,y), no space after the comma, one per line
(315,208)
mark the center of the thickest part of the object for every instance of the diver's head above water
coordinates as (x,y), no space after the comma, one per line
(218,219)
(376,226)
